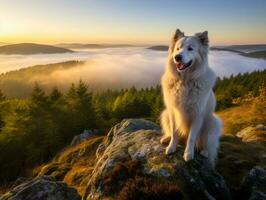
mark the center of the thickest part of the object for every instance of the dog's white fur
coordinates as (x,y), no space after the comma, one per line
(189,98)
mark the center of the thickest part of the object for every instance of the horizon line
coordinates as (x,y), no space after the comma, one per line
(118,43)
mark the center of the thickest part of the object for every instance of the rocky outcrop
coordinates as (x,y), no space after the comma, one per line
(254,184)
(87,134)
(42,188)
(129,163)
(253,133)
(132,151)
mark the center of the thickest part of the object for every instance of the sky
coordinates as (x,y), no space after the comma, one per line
(131,22)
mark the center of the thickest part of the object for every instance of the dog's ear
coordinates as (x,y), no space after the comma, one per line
(203,37)
(178,34)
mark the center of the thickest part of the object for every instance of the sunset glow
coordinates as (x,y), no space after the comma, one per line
(134,22)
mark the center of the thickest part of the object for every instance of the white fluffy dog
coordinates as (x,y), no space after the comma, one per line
(189,99)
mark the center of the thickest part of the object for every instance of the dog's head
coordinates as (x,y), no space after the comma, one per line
(187,53)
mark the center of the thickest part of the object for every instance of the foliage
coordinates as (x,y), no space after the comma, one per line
(117,177)
(148,189)
(128,176)
(36,128)
(228,89)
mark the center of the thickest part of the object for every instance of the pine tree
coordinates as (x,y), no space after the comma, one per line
(71,94)
(84,105)
(55,95)
(2,96)
(38,96)
(81,114)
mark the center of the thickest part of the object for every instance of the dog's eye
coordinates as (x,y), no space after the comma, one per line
(177,49)
(190,48)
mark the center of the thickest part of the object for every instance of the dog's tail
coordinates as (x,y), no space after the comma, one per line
(213,139)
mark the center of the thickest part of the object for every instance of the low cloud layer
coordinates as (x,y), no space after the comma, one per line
(114,70)
(124,67)
(227,63)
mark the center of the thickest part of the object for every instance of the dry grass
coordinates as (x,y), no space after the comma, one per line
(251,112)
(78,177)
(4,189)
(73,165)
(236,118)
(149,189)
(127,182)
(116,178)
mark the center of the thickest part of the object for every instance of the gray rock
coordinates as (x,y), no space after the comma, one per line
(83,136)
(198,181)
(256,195)
(18,181)
(137,141)
(126,126)
(255,183)
(42,188)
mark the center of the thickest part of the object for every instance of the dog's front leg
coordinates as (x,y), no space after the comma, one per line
(192,137)
(171,148)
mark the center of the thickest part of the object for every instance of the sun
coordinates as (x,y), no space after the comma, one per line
(7,29)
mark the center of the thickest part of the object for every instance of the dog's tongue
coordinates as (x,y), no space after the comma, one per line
(180,66)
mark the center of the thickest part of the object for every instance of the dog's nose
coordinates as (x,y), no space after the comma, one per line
(178,57)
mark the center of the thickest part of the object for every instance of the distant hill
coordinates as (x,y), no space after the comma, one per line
(252,54)
(225,49)
(257,54)
(19,83)
(248,47)
(3,43)
(92,46)
(159,48)
(31,48)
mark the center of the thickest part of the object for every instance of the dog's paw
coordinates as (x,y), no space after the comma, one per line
(165,139)
(170,149)
(188,156)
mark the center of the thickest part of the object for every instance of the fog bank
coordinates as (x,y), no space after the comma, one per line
(123,67)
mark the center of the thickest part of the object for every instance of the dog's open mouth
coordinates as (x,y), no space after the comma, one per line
(182,66)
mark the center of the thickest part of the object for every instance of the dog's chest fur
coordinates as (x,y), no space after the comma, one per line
(183,99)
(184,95)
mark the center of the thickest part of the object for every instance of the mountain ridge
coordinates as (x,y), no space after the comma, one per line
(31,48)
(260,53)
(92,46)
